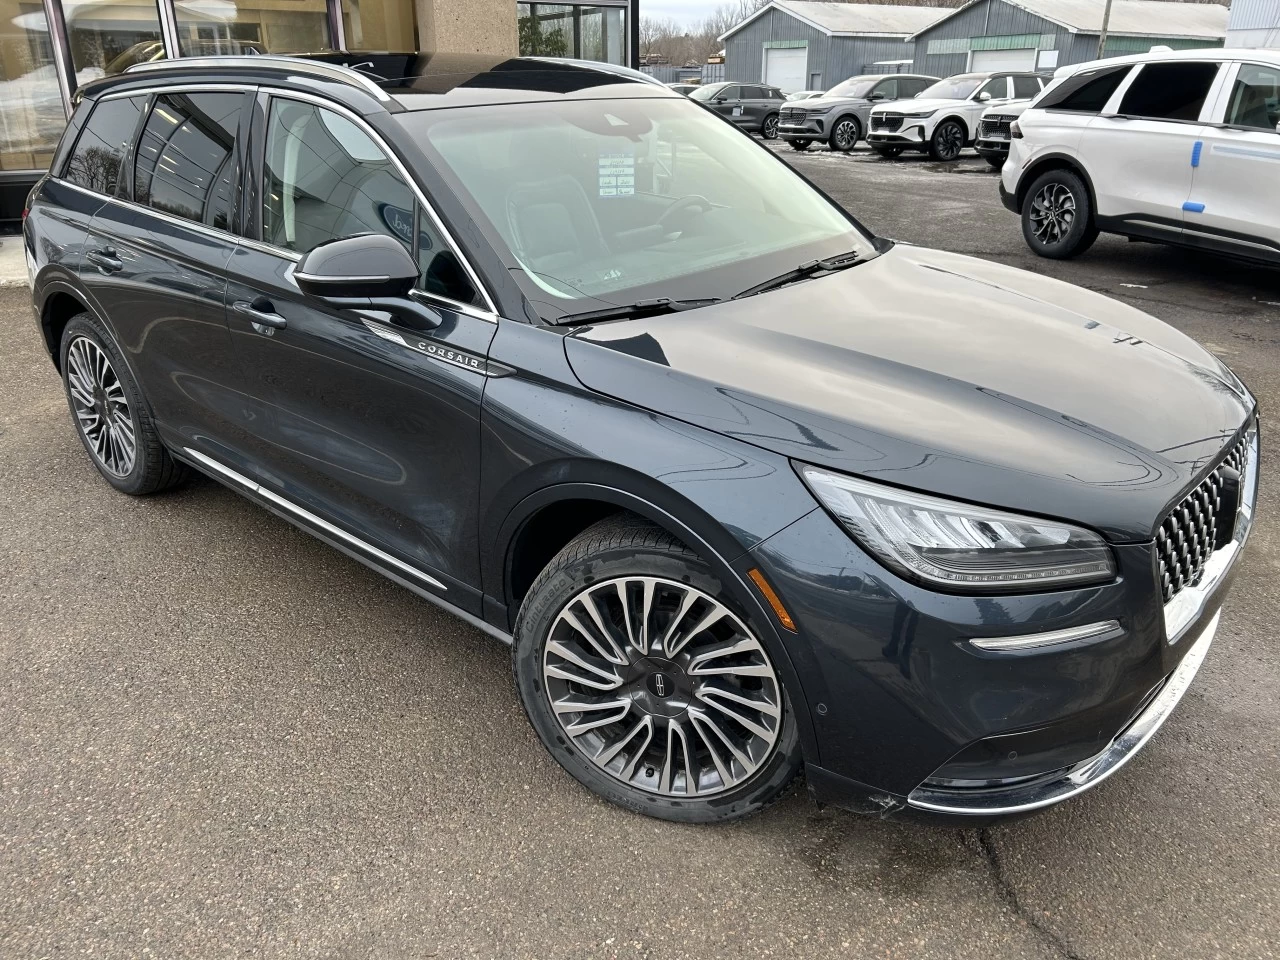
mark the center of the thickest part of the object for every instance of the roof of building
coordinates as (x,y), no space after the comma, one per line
(1133,18)
(852,19)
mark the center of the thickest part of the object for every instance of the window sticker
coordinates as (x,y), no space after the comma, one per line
(618,174)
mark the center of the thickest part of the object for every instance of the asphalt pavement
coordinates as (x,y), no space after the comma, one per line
(220,738)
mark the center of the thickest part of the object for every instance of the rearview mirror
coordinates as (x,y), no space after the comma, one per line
(371,271)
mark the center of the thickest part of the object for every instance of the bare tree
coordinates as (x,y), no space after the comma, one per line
(668,40)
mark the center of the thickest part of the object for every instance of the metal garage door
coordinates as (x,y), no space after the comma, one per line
(786,68)
(1003,60)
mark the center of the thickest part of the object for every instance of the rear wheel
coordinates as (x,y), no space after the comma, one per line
(800,145)
(769,129)
(947,141)
(888,152)
(648,684)
(845,134)
(110,413)
(1057,216)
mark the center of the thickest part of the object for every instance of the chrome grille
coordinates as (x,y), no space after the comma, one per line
(883,121)
(791,116)
(1200,524)
(995,127)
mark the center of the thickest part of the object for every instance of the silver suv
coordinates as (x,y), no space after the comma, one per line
(840,115)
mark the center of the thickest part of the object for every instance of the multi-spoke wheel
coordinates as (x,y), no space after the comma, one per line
(947,141)
(110,415)
(1057,221)
(769,129)
(844,134)
(647,684)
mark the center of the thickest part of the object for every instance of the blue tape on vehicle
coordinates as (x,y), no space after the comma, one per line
(1195,153)
(1192,207)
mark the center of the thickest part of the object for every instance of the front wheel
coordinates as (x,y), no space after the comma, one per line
(844,134)
(647,683)
(769,129)
(947,141)
(1057,216)
(801,145)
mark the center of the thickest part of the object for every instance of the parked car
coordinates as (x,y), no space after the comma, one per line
(564,355)
(752,106)
(943,119)
(805,94)
(840,116)
(1176,147)
(992,142)
(684,88)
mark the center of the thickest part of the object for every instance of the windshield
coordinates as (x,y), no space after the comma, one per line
(852,88)
(622,200)
(706,93)
(956,88)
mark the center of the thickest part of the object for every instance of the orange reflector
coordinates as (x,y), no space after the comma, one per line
(779,610)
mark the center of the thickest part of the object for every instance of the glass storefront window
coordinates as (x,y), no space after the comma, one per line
(109,35)
(581,31)
(209,27)
(31,112)
(379,25)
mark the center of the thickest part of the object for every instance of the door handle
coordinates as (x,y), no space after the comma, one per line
(261,314)
(105,260)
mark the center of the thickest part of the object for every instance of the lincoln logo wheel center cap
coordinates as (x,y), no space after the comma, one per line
(661,685)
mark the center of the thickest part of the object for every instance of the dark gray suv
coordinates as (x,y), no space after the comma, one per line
(752,106)
(749,490)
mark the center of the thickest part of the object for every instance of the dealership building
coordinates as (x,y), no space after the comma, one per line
(50,47)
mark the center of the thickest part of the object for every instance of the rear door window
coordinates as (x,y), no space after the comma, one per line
(187,158)
(1024,88)
(100,151)
(1169,91)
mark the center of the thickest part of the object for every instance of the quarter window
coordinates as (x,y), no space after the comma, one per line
(95,162)
(1087,91)
(187,157)
(325,179)
(1169,91)
(1255,98)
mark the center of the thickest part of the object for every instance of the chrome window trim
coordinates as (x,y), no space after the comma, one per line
(315,68)
(196,86)
(488,312)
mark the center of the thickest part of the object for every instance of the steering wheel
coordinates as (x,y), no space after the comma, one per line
(680,206)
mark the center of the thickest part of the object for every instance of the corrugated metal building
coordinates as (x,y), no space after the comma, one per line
(799,45)
(1044,34)
(1254,23)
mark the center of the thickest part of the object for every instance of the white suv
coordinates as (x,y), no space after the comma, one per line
(943,118)
(1179,147)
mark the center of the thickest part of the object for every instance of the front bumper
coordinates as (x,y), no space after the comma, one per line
(910,135)
(811,129)
(995,149)
(912,717)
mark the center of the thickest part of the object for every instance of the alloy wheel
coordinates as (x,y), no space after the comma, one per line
(770,130)
(950,141)
(100,406)
(662,687)
(1052,214)
(846,134)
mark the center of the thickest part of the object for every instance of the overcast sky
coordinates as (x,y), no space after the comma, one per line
(683,11)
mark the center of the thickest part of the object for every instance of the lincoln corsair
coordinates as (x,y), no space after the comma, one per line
(750,491)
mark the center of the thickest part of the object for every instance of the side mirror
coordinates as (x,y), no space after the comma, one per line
(717,99)
(371,271)
(875,95)
(984,97)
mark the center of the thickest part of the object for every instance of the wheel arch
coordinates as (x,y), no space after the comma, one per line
(958,118)
(57,302)
(546,520)
(1054,161)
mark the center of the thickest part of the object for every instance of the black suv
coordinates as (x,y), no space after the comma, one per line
(748,489)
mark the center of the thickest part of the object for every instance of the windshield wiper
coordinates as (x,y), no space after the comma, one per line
(641,308)
(803,272)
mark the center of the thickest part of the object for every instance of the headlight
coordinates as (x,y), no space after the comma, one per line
(941,543)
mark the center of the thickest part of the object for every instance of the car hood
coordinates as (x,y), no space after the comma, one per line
(1011,108)
(945,374)
(828,103)
(911,106)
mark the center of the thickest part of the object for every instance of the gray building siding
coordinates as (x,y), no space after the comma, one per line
(944,50)
(831,59)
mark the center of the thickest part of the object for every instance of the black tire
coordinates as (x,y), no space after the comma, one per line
(845,134)
(623,547)
(1057,216)
(801,145)
(152,469)
(996,162)
(769,128)
(889,153)
(947,141)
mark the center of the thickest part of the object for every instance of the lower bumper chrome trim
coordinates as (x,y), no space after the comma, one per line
(1022,798)
(1092,632)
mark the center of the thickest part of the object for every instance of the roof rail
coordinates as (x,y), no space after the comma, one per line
(318,68)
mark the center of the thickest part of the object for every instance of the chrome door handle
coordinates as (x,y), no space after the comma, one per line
(260,313)
(105,260)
